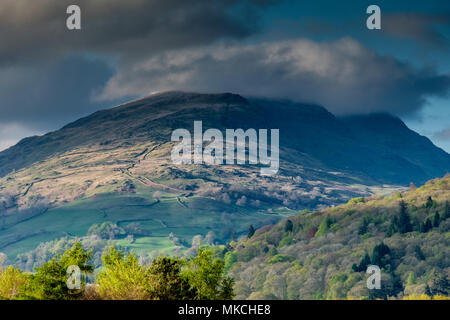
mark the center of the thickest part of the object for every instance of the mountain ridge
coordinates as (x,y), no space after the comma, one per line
(179,102)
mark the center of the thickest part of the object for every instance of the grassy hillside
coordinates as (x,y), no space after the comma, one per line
(324,254)
(114,166)
(158,221)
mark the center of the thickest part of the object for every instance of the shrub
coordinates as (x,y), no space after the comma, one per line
(281,258)
(357,200)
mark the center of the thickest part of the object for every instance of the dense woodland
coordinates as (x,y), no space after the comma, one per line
(325,254)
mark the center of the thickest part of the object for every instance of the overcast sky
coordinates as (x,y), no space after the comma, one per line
(319,51)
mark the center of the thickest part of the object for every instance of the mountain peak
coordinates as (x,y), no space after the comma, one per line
(188,96)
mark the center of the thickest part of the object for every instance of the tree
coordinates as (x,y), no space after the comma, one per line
(122,277)
(362,265)
(324,225)
(404,223)
(206,276)
(229,259)
(438,284)
(106,230)
(288,226)
(426,226)
(251,231)
(11,281)
(166,281)
(419,253)
(134,228)
(311,233)
(378,255)
(411,279)
(393,227)
(446,211)
(50,280)
(429,203)
(436,219)
(364,225)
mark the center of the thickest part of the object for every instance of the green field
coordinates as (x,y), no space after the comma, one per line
(184,218)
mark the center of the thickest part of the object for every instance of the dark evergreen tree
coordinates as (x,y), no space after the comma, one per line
(289,226)
(362,266)
(419,253)
(446,211)
(364,224)
(428,225)
(166,281)
(379,255)
(251,231)
(393,227)
(404,223)
(436,220)
(422,227)
(429,203)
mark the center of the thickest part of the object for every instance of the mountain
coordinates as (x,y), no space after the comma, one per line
(115,166)
(325,254)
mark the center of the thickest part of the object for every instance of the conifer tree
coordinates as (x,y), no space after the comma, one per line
(428,225)
(446,211)
(404,223)
(289,226)
(436,219)
(429,203)
(251,231)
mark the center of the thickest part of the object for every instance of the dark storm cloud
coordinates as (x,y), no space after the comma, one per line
(418,26)
(343,75)
(50,93)
(48,75)
(46,78)
(37,29)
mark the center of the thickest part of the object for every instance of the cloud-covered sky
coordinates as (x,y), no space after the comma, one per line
(342,75)
(317,52)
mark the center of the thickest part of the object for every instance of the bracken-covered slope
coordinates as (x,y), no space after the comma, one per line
(115,165)
(325,254)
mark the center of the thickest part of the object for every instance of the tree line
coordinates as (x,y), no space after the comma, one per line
(121,277)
